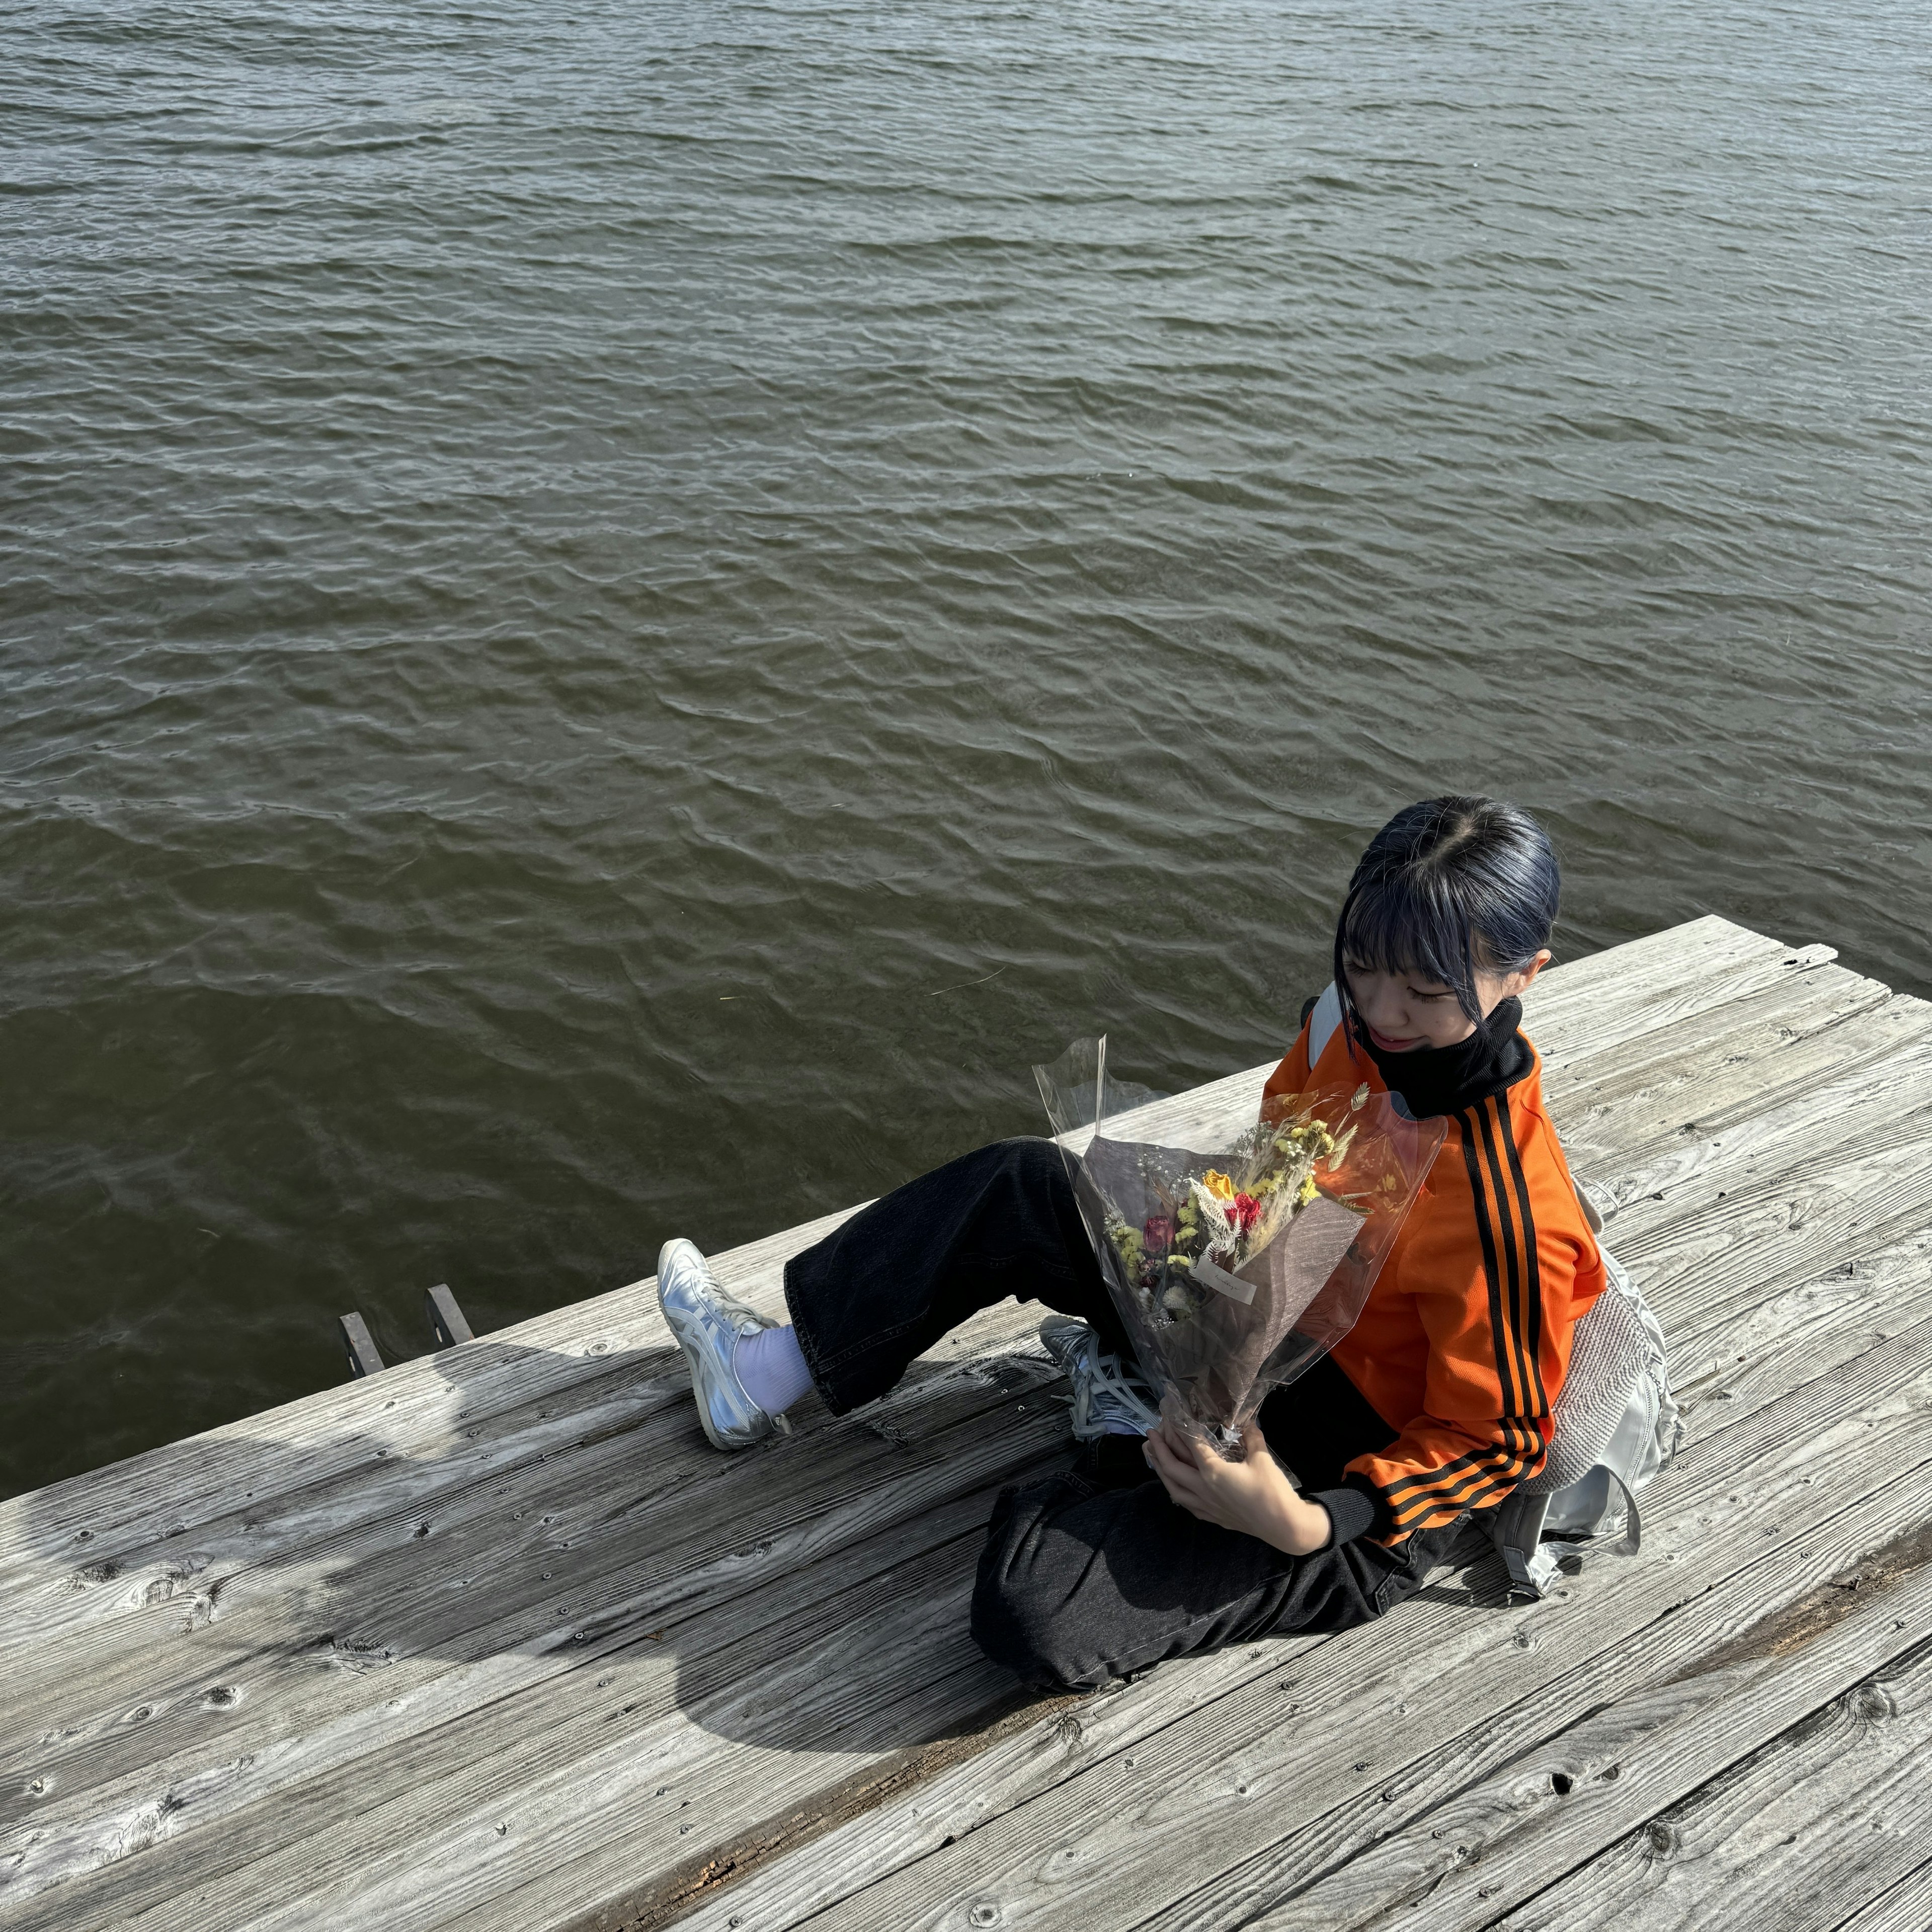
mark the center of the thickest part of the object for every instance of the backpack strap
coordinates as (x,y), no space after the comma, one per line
(1322,1023)
(1632,1540)
(1589,1207)
(1516,1530)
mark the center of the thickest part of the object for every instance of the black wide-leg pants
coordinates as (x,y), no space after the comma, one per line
(1082,1578)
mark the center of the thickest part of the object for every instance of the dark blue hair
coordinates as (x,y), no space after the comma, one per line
(1448,886)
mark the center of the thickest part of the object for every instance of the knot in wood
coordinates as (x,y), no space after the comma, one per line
(1872,1704)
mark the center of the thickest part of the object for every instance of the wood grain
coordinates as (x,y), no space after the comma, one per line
(1828,1817)
(1195,1772)
(1904,1905)
(1640,1751)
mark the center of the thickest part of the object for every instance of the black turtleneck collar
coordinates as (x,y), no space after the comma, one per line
(1434,1080)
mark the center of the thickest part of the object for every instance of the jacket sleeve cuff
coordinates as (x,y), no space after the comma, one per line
(1357,1509)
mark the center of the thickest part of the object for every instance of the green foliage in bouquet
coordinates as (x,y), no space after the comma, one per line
(1225,1218)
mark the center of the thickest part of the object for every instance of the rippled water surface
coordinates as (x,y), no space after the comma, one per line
(613,615)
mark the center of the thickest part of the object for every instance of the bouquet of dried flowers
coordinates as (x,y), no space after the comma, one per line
(1234,1271)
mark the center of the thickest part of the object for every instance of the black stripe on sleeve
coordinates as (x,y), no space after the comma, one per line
(1424,1477)
(1518,1313)
(1476,1486)
(1535,1271)
(1486,1231)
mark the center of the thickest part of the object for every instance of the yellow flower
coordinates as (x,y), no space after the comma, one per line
(1218,1185)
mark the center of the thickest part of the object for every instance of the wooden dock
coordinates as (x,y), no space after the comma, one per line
(493,1640)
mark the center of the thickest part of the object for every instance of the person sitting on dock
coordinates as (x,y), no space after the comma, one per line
(1435,1405)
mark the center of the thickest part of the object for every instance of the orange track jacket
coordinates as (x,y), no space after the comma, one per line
(1465,1336)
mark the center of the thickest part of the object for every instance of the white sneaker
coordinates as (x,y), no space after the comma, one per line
(707,1324)
(1106,1390)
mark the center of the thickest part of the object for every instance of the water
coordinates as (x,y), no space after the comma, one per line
(614,615)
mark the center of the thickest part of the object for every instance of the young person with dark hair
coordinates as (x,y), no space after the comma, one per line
(1435,1405)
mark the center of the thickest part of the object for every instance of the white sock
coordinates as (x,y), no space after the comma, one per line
(771,1366)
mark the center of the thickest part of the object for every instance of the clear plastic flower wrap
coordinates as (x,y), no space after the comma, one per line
(1234,1269)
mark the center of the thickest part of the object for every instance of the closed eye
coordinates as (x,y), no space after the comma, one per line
(1361,969)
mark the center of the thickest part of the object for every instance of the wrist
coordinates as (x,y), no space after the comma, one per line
(1301,1527)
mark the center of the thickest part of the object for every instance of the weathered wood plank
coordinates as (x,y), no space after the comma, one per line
(262,1544)
(1233,1899)
(656,1610)
(1608,1106)
(1810,1829)
(650,1436)
(1812,1324)
(1834,1113)
(656,1561)
(1840,1295)
(1905,1906)
(421,1413)
(1811,1188)
(1908,1290)
(1504,1840)
(108,1516)
(296,1779)
(675,1734)
(1370,1698)
(1657,962)
(1830,1318)
(414,1411)
(366,1794)
(595,1835)
(1665,1008)
(501,1689)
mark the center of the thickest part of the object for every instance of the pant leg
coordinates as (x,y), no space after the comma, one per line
(883,1288)
(1078,1583)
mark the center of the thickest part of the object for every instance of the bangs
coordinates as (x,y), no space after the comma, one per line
(1450,886)
(1400,924)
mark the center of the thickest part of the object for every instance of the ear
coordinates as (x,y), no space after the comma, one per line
(1520,983)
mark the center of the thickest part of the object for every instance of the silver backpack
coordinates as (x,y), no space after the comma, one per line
(1615,1424)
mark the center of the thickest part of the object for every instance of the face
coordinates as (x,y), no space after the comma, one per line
(1403,1013)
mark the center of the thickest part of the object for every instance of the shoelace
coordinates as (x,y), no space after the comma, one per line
(1108,1375)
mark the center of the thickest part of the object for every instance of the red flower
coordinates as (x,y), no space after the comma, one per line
(1158,1233)
(1244,1212)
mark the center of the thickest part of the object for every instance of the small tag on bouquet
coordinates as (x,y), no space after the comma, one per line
(1223,1283)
